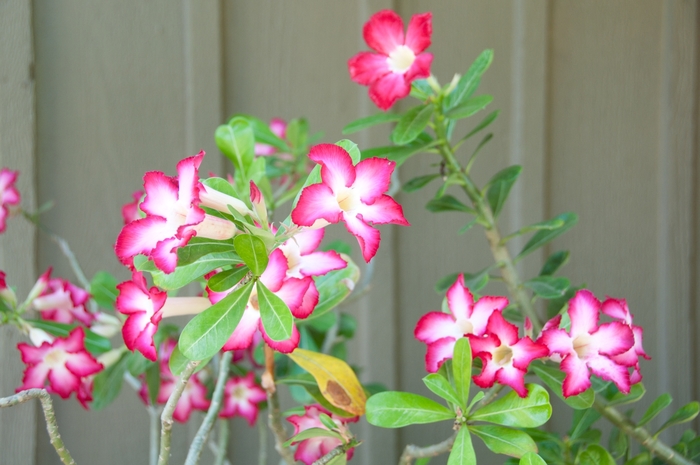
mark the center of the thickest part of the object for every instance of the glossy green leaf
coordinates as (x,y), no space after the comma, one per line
(462,370)
(208,331)
(470,80)
(548,287)
(178,362)
(594,455)
(312,433)
(462,452)
(401,153)
(264,134)
(554,262)
(237,141)
(225,280)
(447,203)
(421,90)
(103,289)
(297,133)
(656,407)
(334,287)
(513,410)
(419,182)
(411,124)
(470,107)
(327,421)
(503,440)
(490,118)
(183,275)
(351,148)
(500,186)
(618,443)
(684,414)
(543,237)
(94,343)
(199,247)
(637,391)
(641,459)
(423,461)
(275,315)
(441,387)
(553,378)
(583,419)
(252,251)
(108,383)
(531,458)
(369,121)
(137,363)
(393,409)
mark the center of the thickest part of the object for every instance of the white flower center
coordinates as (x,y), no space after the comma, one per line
(582,345)
(465,326)
(292,253)
(240,393)
(503,355)
(56,358)
(348,199)
(400,59)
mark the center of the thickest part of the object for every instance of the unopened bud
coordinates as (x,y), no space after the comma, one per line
(39,336)
(258,201)
(453,84)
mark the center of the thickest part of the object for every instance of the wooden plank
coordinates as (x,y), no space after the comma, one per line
(17,243)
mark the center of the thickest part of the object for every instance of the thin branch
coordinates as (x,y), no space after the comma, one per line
(412,452)
(49,415)
(223,443)
(273,405)
(262,443)
(208,423)
(153,436)
(167,416)
(340,450)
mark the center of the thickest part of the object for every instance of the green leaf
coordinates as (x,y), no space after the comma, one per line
(274,313)
(513,410)
(108,383)
(499,187)
(421,90)
(682,415)
(198,247)
(339,246)
(252,251)
(327,421)
(402,153)
(350,147)
(504,440)
(531,458)
(462,450)
(298,133)
(153,383)
(467,227)
(184,275)
(137,363)
(178,362)
(637,391)
(542,237)
(347,326)
(334,287)
(103,289)
(554,262)
(594,455)
(94,343)
(419,182)
(490,118)
(470,81)
(312,433)
(447,203)
(548,287)
(369,121)
(553,378)
(583,419)
(264,134)
(445,282)
(207,332)
(226,279)
(423,461)
(411,124)
(618,443)
(470,107)
(237,141)
(660,403)
(462,370)
(393,409)
(441,387)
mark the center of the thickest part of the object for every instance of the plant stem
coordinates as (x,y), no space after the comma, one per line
(273,405)
(223,443)
(153,436)
(208,423)
(49,416)
(262,443)
(412,452)
(340,450)
(166,418)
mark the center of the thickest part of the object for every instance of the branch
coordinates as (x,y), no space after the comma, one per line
(219,449)
(273,404)
(340,450)
(166,418)
(414,452)
(49,415)
(262,443)
(206,426)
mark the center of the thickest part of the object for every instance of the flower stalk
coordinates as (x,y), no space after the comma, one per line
(167,415)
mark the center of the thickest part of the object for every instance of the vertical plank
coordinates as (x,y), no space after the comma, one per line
(17,244)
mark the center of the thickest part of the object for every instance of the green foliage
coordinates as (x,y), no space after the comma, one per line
(393,409)
(312,433)
(411,124)
(351,148)
(503,440)
(441,387)
(237,141)
(554,262)
(548,287)
(469,107)
(252,251)
(553,378)
(462,450)
(582,421)
(499,187)
(684,414)
(656,407)
(419,182)
(198,247)
(183,275)
(490,118)
(543,237)
(531,458)
(94,343)
(274,314)
(470,81)
(226,279)
(103,289)
(401,153)
(334,287)
(447,203)
(594,455)
(108,383)
(513,410)
(462,370)
(369,121)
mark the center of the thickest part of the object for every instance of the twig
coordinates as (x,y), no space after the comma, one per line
(223,442)
(340,450)
(167,416)
(273,405)
(208,423)
(262,443)
(414,452)
(153,416)
(49,415)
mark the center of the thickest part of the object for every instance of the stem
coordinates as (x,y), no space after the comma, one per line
(49,415)
(414,452)
(273,404)
(153,436)
(340,450)
(223,443)
(208,423)
(650,442)
(262,443)
(167,417)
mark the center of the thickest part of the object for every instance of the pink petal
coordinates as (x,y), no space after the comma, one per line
(142,236)
(367,236)
(276,271)
(372,178)
(164,255)
(286,346)
(308,240)
(384,31)
(483,309)
(278,126)
(617,308)
(292,293)
(34,377)
(638,336)
(388,89)
(438,352)
(506,332)
(383,210)
(316,201)
(420,69)
(337,170)
(436,325)
(613,338)
(610,371)
(487,343)
(513,377)
(161,194)
(419,31)
(308,303)
(577,377)
(320,263)
(487,377)
(583,312)
(63,382)
(367,67)
(188,179)
(242,336)
(83,364)
(460,300)
(525,351)
(557,341)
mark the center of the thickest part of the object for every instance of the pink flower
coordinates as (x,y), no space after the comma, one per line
(505,357)
(6,293)
(310,450)
(9,195)
(617,308)
(590,346)
(241,398)
(130,211)
(441,330)
(64,363)
(400,60)
(173,217)
(63,302)
(278,126)
(354,194)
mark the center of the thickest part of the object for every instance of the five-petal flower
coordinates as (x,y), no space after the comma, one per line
(241,398)
(312,449)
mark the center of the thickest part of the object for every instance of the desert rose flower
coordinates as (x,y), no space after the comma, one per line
(130,211)
(9,195)
(589,346)
(399,59)
(440,331)
(64,364)
(353,194)
(505,356)
(617,308)
(63,302)
(241,398)
(278,126)
(312,449)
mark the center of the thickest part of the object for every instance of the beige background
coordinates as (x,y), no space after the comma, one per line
(599,102)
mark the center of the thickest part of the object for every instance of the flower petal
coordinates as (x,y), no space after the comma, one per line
(388,89)
(384,31)
(577,377)
(610,371)
(367,236)
(436,325)
(337,170)
(419,31)
(286,346)
(320,263)
(583,312)
(438,352)
(420,69)
(613,338)
(316,201)
(242,336)
(372,178)
(367,67)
